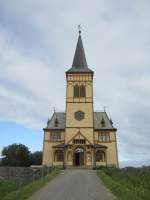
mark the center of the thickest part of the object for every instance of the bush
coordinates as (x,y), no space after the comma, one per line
(16,155)
(20,156)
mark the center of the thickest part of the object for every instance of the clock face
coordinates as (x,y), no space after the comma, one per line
(79,115)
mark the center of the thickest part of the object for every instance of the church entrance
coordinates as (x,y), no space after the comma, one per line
(79,156)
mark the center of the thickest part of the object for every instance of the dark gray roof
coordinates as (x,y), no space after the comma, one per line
(99,117)
(79,62)
(61,118)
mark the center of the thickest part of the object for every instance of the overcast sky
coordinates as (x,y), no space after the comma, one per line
(37,44)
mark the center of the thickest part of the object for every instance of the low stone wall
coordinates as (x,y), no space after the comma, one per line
(23,175)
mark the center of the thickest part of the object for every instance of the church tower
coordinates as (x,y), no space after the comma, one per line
(79,96)
(79,136)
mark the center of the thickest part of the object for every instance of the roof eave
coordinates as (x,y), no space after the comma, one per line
(79,72)
(52,129)
(105,129)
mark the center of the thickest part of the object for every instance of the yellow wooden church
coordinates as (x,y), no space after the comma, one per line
(79,136)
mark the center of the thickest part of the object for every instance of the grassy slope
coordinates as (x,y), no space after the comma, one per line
(127,185)
(7,187)
(26,191)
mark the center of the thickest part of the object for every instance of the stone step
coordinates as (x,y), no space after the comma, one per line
(79,167)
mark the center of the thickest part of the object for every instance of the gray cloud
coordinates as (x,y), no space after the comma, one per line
(37,43)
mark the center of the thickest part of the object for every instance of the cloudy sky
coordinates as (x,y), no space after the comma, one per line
(37,44)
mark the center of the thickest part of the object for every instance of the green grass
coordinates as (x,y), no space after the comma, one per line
(126,185)
(26,191)
(7,187)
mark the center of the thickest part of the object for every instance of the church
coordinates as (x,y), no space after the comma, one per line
(80,137)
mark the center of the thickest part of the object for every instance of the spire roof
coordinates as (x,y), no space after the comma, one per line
(79,62)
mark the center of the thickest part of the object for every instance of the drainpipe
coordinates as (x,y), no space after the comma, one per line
(94,159)
(64,161)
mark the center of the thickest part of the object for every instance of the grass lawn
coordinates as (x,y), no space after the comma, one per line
(7,187)
(26,191)
(127,184)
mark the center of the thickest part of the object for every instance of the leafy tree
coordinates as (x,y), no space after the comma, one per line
(16,155)
(36,158)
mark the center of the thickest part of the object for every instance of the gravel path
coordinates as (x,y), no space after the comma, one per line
(76,184)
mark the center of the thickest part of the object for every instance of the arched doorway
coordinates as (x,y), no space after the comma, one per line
(79,156)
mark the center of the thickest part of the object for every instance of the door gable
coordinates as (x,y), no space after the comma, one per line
(79,136)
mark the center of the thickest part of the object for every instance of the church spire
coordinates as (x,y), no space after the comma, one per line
(79,62)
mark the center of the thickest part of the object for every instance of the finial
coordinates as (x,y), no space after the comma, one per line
(79,28)
(54,109)
(104,108)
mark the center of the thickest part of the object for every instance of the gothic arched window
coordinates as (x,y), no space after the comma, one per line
(82,91)
(76,91)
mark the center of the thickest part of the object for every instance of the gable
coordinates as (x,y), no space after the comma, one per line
(80,137)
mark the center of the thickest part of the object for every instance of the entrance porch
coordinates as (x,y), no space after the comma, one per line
(88,156)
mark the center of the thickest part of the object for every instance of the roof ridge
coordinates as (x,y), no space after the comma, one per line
(108,119)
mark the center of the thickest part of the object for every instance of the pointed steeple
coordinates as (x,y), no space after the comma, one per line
(79,62)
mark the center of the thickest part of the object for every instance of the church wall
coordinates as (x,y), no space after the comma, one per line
(48,154)
(48,150)
(74,107)
(89,91)
(111,152)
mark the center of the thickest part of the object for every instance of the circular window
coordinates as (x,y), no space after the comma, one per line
(79,115)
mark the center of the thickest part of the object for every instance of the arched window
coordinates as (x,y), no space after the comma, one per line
(100,156)
(58,156)
(76,91)
(82,91)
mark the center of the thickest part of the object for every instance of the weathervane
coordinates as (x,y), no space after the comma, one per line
(79,28)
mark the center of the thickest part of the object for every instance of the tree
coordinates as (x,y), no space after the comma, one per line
(16,155)
(36,158)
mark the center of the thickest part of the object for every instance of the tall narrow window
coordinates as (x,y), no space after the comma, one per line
(100,156)
(58,156)
(82,91)
(76,91)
